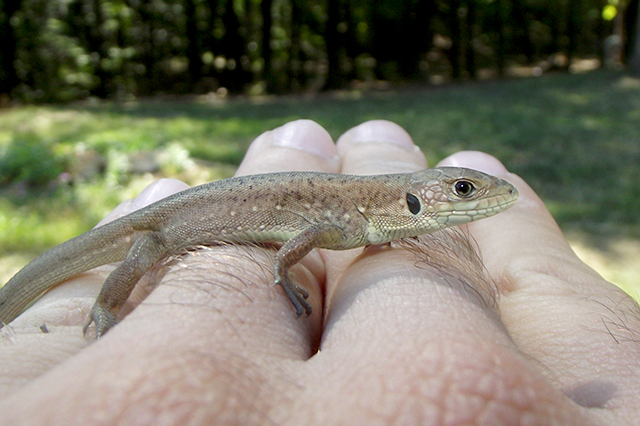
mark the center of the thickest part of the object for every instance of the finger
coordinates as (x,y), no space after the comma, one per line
(156,191)
(377,147)
(582,329)
(374,147)
(297,146)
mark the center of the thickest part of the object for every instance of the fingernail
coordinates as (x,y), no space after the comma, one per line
(158,190)
(304,135)
(475,160)
(380,131)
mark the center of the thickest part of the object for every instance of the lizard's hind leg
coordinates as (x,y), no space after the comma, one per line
(147,250)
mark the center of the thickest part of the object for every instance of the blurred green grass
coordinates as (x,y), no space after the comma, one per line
(574,138)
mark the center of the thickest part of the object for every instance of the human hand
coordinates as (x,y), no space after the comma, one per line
(217,343)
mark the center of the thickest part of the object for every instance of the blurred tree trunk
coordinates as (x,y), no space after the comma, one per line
(501,50)
(8,77)
(634,59)
(470,58)
(415,36)
(335,43)
(235,76)
(456,39)
(149,51)
(630,21)
(209,40)
(601,31)
(379,33)
(555,12)
(352,46)
(400,34)
(96,46)
(573,32)
(193,49)
(267,53)
(295,61)
(522,23)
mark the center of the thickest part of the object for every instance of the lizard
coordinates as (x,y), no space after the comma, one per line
(300,210)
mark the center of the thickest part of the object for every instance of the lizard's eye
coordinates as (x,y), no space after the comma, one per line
(463,188)
(413,203)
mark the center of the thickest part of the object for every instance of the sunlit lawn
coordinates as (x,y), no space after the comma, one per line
(574,138)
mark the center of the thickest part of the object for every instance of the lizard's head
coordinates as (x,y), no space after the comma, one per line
(455,195)
(442,197)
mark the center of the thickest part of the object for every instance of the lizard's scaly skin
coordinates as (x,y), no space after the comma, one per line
(304,210)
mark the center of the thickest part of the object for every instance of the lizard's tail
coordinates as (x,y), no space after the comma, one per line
(106,244)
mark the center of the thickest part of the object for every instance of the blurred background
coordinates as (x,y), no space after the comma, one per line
(62,50)
(99,98)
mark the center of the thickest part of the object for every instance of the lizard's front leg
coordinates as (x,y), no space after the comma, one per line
(291,252)
(145,252)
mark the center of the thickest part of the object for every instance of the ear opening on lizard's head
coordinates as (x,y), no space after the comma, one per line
(413,203)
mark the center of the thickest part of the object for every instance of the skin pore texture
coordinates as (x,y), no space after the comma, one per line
(391,340)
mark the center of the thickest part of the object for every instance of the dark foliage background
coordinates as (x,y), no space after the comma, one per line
(60,50)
